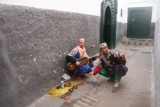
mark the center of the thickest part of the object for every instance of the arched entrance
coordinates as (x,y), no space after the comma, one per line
(108,22)
(107,27)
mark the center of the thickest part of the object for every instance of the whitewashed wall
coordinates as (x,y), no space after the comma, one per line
(125,4)
(91,7)
(156,61)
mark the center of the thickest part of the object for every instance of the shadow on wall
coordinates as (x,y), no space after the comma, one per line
(8,87)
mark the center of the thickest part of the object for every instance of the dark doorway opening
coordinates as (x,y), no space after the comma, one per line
(107,27)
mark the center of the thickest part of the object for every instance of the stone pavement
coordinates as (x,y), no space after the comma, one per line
(135,87)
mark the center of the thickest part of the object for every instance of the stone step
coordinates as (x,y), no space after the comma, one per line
(137,42)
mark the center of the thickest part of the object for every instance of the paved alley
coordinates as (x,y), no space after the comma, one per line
(134,91)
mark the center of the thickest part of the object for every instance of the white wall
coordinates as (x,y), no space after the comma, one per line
(122,6)
(125,4)
(91,7)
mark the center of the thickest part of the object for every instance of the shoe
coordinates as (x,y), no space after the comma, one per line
(115,89)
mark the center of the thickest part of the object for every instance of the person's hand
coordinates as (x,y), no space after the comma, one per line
(92,46)
(90,74)
(78,63)
(98,55)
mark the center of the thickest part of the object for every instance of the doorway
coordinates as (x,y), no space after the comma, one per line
(139,22)
(107,27)
(108,22)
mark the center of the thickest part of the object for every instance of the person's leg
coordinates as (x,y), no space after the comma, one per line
(104,72)
(84,69)
(111,78)
(117,79)
(97,69)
